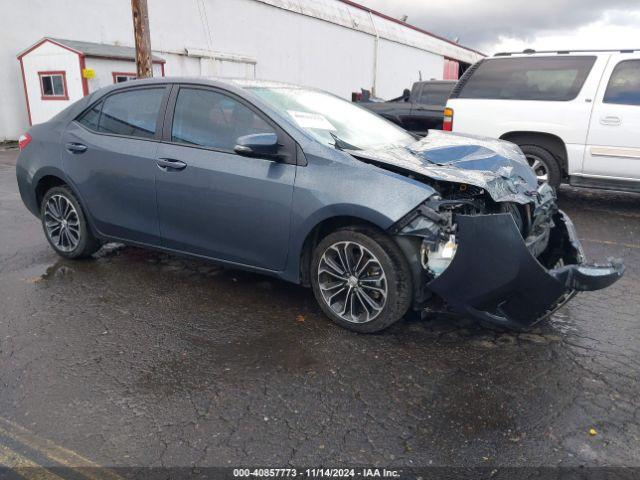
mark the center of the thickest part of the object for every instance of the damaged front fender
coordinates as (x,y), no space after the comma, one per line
(495,278)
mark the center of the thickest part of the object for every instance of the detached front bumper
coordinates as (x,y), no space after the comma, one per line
(494,278)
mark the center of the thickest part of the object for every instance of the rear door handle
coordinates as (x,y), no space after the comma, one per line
(171,164)
(610,120)
(73,147)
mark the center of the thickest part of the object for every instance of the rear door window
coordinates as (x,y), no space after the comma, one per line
(133,113)
(211,119)
(624,84)
(558,78)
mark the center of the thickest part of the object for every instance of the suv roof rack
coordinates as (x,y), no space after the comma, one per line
(564,52)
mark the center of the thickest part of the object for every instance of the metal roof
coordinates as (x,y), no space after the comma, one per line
(355,16)
(408,25)
(96,50)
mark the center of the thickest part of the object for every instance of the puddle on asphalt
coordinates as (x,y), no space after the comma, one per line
(39,273)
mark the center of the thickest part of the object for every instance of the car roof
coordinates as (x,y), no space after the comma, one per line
(531,52)
(211,81)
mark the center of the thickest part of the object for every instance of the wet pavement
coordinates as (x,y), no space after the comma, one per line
(140,358)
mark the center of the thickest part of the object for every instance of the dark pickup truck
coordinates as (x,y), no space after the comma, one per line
(417,110)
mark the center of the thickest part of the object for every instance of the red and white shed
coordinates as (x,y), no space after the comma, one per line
(57,72)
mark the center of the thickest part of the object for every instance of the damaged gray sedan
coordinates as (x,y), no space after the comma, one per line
(299,184)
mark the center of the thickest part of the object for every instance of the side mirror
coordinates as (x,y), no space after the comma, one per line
(258,145)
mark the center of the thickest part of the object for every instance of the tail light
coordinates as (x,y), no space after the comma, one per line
(447,125)
(23,141)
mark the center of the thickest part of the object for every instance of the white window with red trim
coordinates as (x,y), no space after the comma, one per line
(53,85)
(120,77)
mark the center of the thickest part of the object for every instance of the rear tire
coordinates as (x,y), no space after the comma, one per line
(544,164)
(65,224)
(361,279)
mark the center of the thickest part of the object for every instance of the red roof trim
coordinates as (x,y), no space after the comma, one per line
(40,42)
(408,25)
(77,52)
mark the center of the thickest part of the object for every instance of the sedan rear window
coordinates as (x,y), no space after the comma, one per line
(558,78)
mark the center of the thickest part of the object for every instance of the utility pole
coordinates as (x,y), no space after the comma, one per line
(140,14)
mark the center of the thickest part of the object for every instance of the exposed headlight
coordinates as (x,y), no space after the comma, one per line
(439,259)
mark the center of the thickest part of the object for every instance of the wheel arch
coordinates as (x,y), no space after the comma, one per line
(553,143)
(50,178)
(320,231)
(46,183)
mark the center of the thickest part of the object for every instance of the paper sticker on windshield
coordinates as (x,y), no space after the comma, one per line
(311,120)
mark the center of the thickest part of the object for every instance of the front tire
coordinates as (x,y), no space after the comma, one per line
(65,224)
(361,279)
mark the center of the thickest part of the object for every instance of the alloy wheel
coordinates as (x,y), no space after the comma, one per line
(539,168)
(352,282)
(62,223)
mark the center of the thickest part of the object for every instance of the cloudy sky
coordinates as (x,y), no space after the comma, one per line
(504,25)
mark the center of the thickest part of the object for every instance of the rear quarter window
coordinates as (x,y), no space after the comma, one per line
(558,78)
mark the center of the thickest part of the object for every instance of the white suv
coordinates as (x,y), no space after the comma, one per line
(574,114)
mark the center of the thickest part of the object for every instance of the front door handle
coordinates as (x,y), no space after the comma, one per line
(73,147)
(610,120)
(171,164)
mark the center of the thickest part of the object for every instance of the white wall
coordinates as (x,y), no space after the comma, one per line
(50,57)
(286,45)
(399,66)
(104,69)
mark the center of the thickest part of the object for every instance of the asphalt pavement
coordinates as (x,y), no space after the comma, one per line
(139,358)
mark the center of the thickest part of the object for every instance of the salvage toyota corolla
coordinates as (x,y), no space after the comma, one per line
(299,184)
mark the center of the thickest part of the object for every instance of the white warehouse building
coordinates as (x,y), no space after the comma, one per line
(52,53)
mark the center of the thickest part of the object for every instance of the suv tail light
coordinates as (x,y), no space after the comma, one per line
(23,141)
(447,125)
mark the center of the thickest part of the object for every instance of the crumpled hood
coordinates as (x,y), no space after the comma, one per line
(495,165)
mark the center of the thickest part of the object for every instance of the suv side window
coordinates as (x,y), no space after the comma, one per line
(624,84)
(558,78)
(211,119)
(133,113)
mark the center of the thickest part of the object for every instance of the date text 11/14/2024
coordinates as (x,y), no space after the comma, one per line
(315,473)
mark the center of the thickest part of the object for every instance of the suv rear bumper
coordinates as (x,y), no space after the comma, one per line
(494,278)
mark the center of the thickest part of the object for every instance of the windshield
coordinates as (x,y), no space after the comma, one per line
(331,120)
